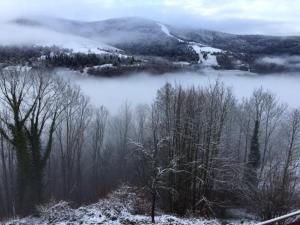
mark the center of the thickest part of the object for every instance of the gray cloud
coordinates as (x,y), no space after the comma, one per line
(240,16)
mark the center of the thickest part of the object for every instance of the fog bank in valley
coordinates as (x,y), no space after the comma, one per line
(141,88)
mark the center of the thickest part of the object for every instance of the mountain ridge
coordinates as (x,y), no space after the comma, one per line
(144,38)
(133,29)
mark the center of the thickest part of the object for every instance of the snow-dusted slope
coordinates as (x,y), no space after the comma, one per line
(207,54)
(130,34)
(165,30)
(148,38)
(31,35)
(134,30)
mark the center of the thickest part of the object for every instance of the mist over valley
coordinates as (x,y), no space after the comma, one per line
(141,88)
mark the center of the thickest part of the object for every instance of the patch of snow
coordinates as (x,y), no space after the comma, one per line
(207,55)
(197,49)
(103,66)
(211,60)
(182,63)
(211,49)
(76,45)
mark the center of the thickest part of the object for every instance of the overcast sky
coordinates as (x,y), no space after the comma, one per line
(235,16)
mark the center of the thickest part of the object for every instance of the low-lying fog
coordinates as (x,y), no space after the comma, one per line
(142,88)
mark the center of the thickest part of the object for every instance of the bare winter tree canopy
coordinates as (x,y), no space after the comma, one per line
(193,150)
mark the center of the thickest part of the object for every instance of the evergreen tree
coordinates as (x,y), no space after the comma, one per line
(253,158)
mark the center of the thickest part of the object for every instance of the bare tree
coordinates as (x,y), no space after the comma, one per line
(70,136)
(121,128)
(98,126)
(33,101)
(149,160)
(272,117)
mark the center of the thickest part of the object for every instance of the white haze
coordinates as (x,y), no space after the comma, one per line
(11,34)
(289,61)
(142,88)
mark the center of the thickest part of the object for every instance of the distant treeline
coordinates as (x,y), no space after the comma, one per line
(80,60)
(107,64)
(147,57)
(55,56)
(171,50)
(21,55)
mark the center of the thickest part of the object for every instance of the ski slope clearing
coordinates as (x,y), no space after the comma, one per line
(207,54)
(165,30)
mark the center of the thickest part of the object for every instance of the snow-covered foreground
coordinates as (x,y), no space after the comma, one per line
(117,209)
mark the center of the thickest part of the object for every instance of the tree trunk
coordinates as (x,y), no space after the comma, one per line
(6,197)
(153,207)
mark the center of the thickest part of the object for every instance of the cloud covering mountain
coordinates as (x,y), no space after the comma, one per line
(240,16)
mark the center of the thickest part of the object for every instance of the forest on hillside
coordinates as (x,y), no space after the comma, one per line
(193,151)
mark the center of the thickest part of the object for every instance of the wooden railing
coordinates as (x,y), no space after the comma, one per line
(281,219)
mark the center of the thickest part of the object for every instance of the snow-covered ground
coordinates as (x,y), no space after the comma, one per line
(117,209)
(207,55)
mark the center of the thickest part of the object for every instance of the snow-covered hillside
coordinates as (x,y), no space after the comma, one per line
(117,209)
(207,55)
(144,38)
(93,37)
(39,36)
